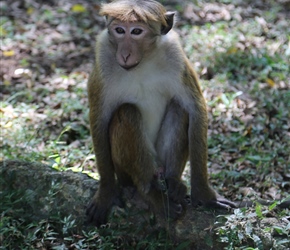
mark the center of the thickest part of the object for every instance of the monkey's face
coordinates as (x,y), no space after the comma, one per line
(132,42)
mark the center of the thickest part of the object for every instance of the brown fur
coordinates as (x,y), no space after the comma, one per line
(147,114)
(135,11)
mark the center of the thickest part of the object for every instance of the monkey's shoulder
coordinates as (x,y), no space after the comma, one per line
(172,43)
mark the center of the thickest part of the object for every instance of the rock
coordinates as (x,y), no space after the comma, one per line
(49,194)
(46,194)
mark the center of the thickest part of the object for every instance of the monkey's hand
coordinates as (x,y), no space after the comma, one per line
(220,202)
(167,198)
(176,190)
(99,208)
(177,197)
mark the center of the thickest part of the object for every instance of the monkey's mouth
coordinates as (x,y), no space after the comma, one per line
(129,67)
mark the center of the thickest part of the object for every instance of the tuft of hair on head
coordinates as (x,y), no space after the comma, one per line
(135,11)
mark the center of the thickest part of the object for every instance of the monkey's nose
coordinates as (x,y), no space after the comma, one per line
(125,57)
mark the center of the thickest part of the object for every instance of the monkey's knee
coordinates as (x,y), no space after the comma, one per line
(124,127)
(125,136)
(125,114)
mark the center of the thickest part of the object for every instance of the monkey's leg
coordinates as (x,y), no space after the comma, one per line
(172,149)
(130,152)
(133,155)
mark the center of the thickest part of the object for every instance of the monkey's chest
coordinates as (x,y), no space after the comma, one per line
(148,98)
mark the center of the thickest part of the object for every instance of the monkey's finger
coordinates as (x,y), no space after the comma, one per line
(176,211)
(220,204)
(96,215)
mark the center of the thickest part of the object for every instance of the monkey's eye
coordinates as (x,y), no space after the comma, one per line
(136,31)
(120,30)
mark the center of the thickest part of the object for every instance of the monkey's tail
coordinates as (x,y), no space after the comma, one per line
(283,205)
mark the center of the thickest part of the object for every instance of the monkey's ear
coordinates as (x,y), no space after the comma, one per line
(170,21)
(108,20)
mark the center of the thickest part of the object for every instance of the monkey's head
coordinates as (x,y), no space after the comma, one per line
(134,26)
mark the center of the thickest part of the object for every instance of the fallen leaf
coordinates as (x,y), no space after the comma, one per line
(7,83)
(270,82)
(3,32)
(232,50)
(30,10)
(78,8)
(8,53)
(8,125)
(248,131)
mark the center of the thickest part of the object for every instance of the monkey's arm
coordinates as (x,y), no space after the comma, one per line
(201,192)
(107,194)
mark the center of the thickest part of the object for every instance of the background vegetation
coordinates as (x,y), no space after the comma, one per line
(240,49)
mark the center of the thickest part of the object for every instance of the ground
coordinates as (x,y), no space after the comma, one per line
(240,50)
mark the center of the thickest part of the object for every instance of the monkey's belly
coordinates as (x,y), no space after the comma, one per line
(152,111)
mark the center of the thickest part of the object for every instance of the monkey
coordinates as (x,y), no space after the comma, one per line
(147,114)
